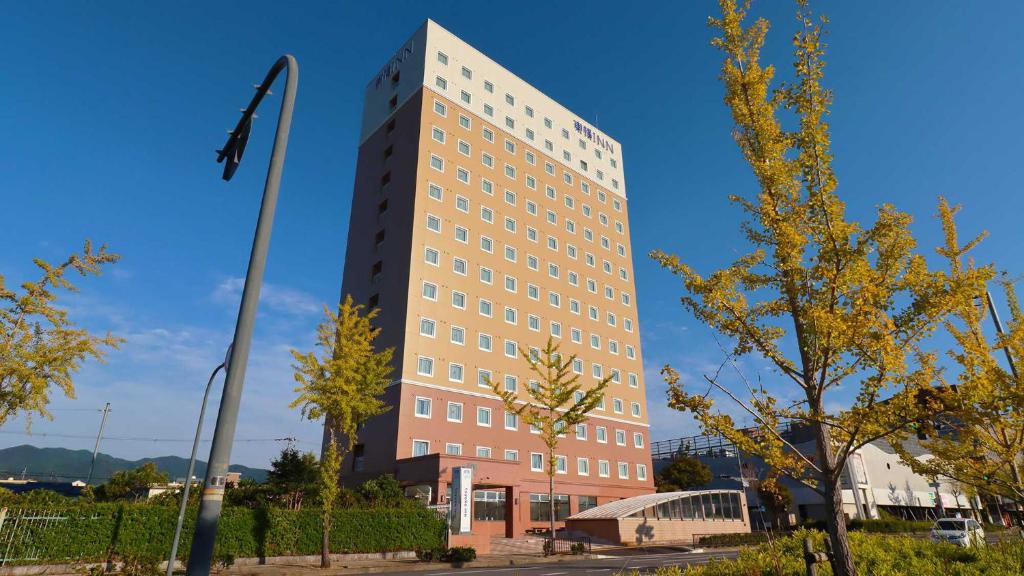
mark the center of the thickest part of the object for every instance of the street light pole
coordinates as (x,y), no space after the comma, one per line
(201,554)
(191,470)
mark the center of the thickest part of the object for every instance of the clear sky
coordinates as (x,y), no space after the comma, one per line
(110,114)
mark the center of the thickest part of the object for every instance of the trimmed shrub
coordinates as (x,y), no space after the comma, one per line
(459,554)
(874,554)
(738,539)
(98,532)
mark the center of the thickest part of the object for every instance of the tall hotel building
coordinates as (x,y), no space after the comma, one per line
(487,217)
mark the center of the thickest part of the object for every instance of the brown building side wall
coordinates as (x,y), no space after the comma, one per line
(362,252)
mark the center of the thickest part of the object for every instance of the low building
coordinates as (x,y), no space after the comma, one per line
(874,482)
(663,518)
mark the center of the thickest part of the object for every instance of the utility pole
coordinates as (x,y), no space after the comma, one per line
(201,554)
(96,448)
(999,330)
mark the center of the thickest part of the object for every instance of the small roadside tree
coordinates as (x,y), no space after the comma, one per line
(555,403)
(293,475)
(979,439)
(345,385)
(826,302)
(684,473)
(128,484)
(775,497)
(41,348)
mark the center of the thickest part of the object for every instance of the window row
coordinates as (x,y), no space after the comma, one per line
(423,407)
(485,342)
(538,461)
(464,175)
(434,223)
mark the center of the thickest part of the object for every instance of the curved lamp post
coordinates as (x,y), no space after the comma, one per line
(201,554)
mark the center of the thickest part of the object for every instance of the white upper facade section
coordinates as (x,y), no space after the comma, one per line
(437,59)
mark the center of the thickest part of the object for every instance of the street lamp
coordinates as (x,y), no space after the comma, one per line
(201,555)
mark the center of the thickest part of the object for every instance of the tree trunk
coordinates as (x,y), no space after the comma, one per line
(835,519)
(325,548)
(551,503)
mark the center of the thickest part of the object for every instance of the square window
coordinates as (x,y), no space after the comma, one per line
(431,256)
(512,455)
(455,412)
(602,434)
(462,234)
(511,421)
(483,452)
(430,291)
(442,58)
(483,416)
(638,440)
(536,462)
(583,466)
(455,372)
(423,407)
(437,163)
(488,86)
(465,121)
(453,449)
(434,191)
(483,378)
(420,448)
(484,342)
(485,308)
(427,327)
(437,134)
(511,349)
(467,73)
(510,315)
(440,108)
(425,366)
(458,335)
(462,204)
(459,300)
(603,469)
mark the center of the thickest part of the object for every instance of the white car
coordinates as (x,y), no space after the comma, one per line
(959,531)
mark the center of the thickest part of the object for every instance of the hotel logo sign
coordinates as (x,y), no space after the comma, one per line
(593,136)
(394,64)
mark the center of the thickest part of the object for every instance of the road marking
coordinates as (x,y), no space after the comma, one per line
(482,570)
(554,573)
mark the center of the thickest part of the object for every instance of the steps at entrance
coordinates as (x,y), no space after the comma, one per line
(522,545)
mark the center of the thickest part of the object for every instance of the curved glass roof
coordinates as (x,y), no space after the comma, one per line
(628,506)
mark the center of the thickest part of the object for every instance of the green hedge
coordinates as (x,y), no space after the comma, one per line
(101,531)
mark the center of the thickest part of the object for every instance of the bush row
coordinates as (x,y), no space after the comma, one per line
(874,554)
(100,531)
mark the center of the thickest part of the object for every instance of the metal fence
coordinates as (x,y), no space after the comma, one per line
(25,535)
(566,544)
(444,512)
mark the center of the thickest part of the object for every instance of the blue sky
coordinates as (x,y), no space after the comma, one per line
(110,115)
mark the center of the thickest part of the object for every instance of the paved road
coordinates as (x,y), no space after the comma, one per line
(645,561)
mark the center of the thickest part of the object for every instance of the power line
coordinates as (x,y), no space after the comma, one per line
(146,438)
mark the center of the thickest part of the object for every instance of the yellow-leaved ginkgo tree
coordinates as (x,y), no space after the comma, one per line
(345,385)
(827,302)
(41,348)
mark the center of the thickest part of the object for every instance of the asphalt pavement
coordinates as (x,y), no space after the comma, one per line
(607,563)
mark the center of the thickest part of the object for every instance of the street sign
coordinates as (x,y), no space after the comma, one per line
(462,500)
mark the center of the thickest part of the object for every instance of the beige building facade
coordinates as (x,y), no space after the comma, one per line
(486,218)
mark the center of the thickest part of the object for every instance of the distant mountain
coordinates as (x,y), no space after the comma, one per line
(65,465)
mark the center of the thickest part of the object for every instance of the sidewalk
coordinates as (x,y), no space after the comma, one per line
(380,566)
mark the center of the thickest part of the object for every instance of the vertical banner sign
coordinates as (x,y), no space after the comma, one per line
(462,500)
